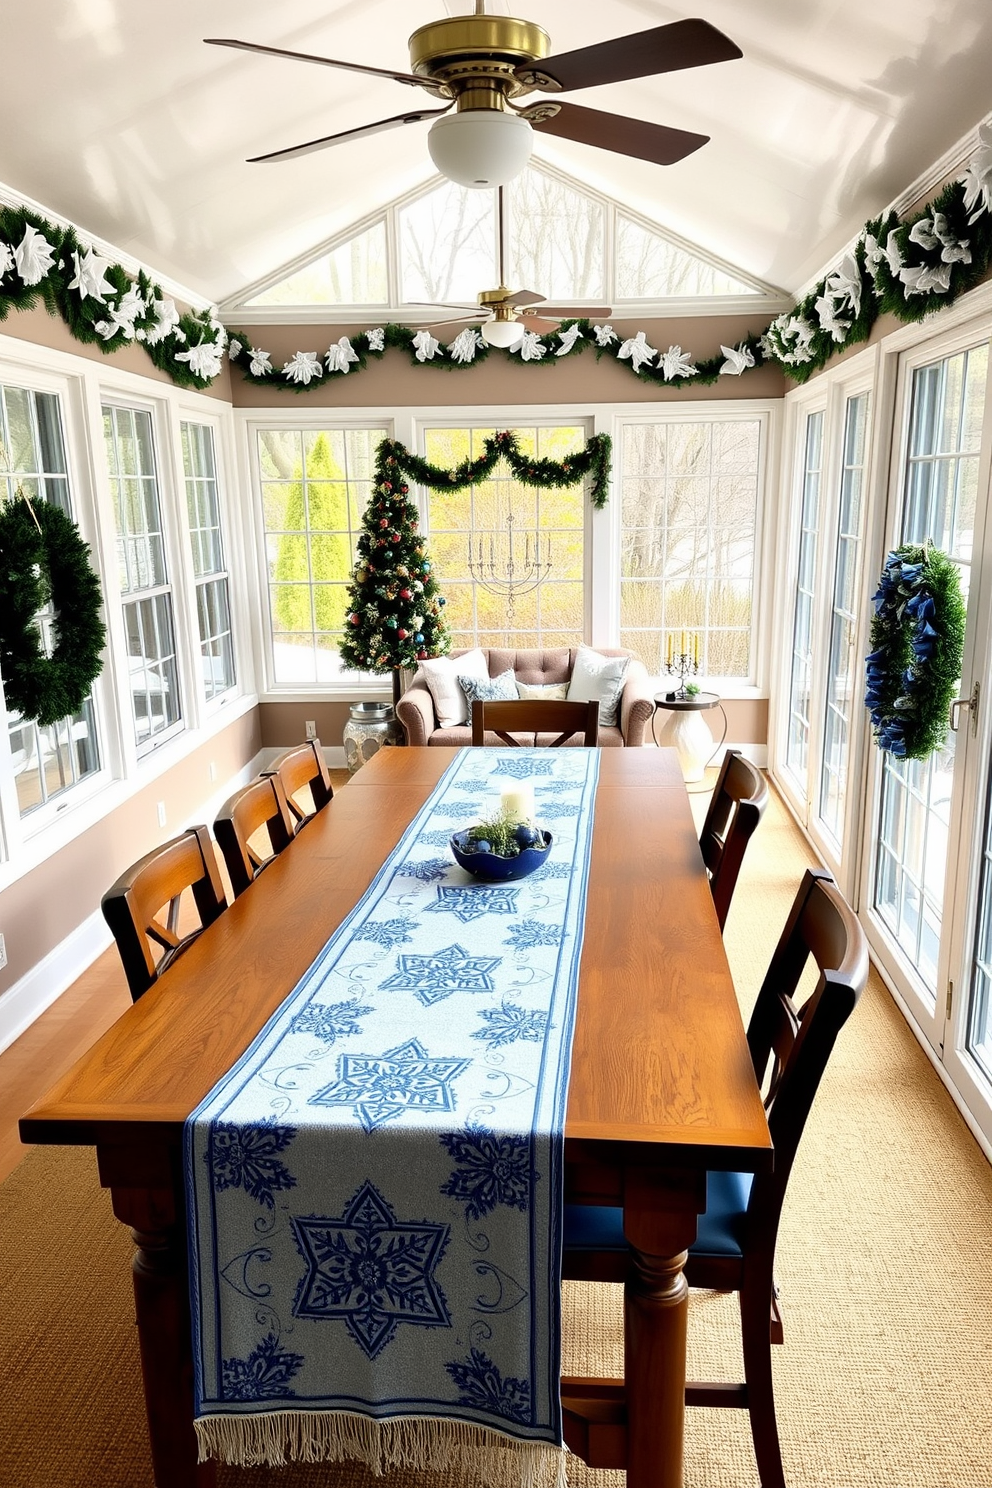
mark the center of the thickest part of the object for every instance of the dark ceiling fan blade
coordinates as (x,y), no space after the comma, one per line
(523,297)
(690,43)
(348,134)
(656,142)
(538,325)
(268,51)
(574,312)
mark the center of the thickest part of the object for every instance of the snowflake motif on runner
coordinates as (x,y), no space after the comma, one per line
(434,839)
(552,809)
(330,1021)
(482,1387)
(493,1170)
(429,871)
(381,1087)
(552,870)
(371,1270)
(556,787)
(511,1024)
(530,934)
(456,811)
(245,1157)
(473,901)
(387,933)
(263,1375)
(524,769)
(433,978)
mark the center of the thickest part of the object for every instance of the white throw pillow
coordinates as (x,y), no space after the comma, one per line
(598,679)
(554,690)
(441,674)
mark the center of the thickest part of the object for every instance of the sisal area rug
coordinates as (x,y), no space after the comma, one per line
(885,1267)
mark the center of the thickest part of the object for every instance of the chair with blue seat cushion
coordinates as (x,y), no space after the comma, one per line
(734,1248)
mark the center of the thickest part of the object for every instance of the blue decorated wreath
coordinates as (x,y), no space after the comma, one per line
(917,641)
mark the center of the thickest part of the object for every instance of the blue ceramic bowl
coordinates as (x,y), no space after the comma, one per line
(491,866)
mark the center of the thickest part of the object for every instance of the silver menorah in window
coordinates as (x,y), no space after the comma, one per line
(500,572)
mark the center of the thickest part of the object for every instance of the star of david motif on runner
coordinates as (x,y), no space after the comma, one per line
(381,1087)
(433,978)
(523,769)
(470,902)
(371,1270)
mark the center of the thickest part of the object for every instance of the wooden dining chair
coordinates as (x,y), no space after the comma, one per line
(132,906)
(303,770)
(737,805)
(735,1245)
(536,716)
(252,828)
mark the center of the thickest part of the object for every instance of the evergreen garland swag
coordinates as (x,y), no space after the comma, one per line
(594,461)
(917,641)
(44,560)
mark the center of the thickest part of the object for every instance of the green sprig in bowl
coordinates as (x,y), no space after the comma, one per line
(501,849)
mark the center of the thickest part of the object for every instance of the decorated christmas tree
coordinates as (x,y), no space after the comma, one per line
(395,613)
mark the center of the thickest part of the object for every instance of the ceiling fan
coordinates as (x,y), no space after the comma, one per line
(480,64)
(503,315)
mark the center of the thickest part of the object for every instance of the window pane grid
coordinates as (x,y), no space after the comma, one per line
(213,609)
(914,808)
(315,487)
(797,741)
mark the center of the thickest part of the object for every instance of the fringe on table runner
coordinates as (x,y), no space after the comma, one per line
(422,1443)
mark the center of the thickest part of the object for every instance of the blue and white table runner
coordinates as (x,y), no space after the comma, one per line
(375,1188)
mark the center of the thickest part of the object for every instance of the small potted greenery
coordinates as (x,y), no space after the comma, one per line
(501,847)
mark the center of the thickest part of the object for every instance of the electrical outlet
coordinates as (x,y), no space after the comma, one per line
(161,813)
(3,953)
(311,728)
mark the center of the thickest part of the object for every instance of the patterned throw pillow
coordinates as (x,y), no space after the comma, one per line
(599,678)
(553,690)
(499,689)
(441,674)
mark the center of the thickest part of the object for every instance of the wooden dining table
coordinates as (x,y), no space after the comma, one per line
(661,1088)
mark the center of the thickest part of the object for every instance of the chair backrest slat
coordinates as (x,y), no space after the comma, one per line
(262,804)
(301,768)
(737,805)
(536,716)
(132,904)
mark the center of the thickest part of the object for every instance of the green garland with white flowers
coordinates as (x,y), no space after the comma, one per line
(908,267)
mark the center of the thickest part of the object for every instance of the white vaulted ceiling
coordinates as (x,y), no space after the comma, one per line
(115,115)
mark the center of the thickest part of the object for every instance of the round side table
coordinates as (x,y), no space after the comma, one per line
(686,730)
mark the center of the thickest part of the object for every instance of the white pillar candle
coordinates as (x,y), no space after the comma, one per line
(517,801)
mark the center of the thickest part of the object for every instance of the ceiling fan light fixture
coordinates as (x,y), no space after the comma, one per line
(480,148)
(503,333)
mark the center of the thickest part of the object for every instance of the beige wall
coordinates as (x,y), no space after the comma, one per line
(47,904)
(393,381)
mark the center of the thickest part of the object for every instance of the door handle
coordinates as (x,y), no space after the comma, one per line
(971,703)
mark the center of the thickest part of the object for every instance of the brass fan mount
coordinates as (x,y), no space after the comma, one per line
(474,58)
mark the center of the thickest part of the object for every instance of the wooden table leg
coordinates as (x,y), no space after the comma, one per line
(660,1212)
(161,1299)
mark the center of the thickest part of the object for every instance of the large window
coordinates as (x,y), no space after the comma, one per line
(689,510)
(797,748)
(213,598)
(47,762)
(143,573)
(510,557)
(315,485)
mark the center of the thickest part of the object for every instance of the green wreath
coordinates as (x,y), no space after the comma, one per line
(917,641)
(44,560)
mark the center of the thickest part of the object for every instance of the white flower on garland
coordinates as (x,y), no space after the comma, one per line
(91,280)
(977,179)
(220,331)
(205,359)
(425,346)
(260,364)
(790,339)
(531,348)
(924,278)
(166,322)
(676,363)
(637,351)
(303,367)
(604,335)
(6,259)
(376,339)
(567,340)
(827,313)
(34,255)
(340,355)
(934,232)
(844,284)
(122,316)
(234,348)
(465,345)
(739,358)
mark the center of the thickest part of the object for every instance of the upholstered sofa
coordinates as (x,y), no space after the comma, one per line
(415,709)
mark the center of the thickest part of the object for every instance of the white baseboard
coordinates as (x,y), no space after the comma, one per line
(29,997)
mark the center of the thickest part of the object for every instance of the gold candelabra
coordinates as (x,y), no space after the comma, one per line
(682,661)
